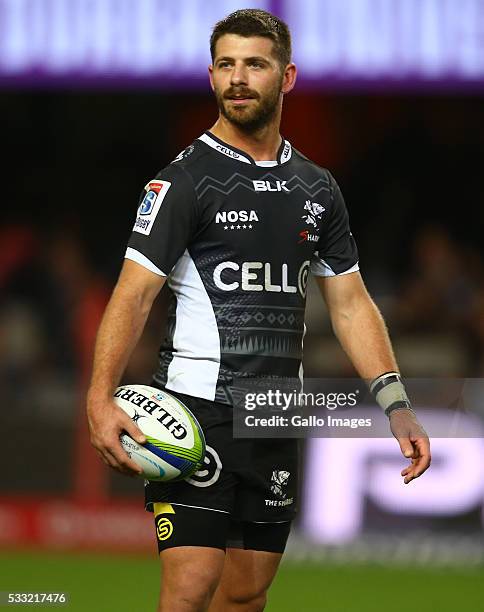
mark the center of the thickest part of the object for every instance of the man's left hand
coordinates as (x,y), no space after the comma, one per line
(414,442)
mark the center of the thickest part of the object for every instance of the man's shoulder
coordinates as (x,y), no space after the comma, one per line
(299,159)
(191,155)
(187,164)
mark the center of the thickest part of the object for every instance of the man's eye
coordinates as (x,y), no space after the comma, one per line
(257,64)
(223,64)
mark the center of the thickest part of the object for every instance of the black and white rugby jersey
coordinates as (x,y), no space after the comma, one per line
(237,239)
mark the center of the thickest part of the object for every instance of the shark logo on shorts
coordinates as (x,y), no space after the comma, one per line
(279,481)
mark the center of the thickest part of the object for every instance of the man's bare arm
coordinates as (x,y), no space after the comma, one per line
(358,324)
(362,333)
(121,327)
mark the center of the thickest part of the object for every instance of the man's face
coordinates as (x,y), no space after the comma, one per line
(247,80)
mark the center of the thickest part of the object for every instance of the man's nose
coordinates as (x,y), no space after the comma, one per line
(239,74)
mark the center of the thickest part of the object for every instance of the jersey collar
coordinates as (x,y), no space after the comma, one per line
(283,155)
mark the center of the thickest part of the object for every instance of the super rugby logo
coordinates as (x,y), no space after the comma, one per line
(167,419)
(147,203)
(210,471)
(150,205)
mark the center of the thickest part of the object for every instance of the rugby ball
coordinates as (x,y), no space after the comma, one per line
(175,444)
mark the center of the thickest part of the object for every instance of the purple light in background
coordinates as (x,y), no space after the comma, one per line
(342,473)
(343,44)
(388,38)
(333,490)
(128,37)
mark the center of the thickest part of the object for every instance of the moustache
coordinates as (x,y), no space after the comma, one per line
(238,93)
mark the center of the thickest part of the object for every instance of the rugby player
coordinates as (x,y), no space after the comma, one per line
(233,225)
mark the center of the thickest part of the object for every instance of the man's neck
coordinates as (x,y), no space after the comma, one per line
(262,145)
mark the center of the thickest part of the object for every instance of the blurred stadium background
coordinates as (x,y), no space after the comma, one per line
(97,96)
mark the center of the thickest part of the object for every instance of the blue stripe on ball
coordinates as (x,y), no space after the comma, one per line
(183,465)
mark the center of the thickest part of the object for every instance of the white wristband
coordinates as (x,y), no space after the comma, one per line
(389,392)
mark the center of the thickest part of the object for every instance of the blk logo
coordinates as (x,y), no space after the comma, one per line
(268,186)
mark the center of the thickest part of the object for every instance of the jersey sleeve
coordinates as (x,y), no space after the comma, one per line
(336,252)
(166,220)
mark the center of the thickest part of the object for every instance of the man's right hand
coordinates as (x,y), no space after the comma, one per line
(107,422)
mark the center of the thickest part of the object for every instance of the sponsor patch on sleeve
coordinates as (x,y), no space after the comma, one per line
(149,207)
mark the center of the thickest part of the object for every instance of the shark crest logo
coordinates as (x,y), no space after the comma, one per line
(279,481)
(313,211)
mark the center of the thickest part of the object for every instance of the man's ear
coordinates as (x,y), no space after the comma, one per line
(289,80)
(210,76)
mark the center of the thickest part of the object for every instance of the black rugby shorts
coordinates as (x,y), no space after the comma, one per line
(244,496)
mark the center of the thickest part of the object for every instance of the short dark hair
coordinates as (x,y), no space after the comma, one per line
(255,22)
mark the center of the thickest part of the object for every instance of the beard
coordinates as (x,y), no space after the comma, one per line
(252,116)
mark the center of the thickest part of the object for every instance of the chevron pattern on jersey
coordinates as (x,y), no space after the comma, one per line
(264,345)
(260,316)
(239,180)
